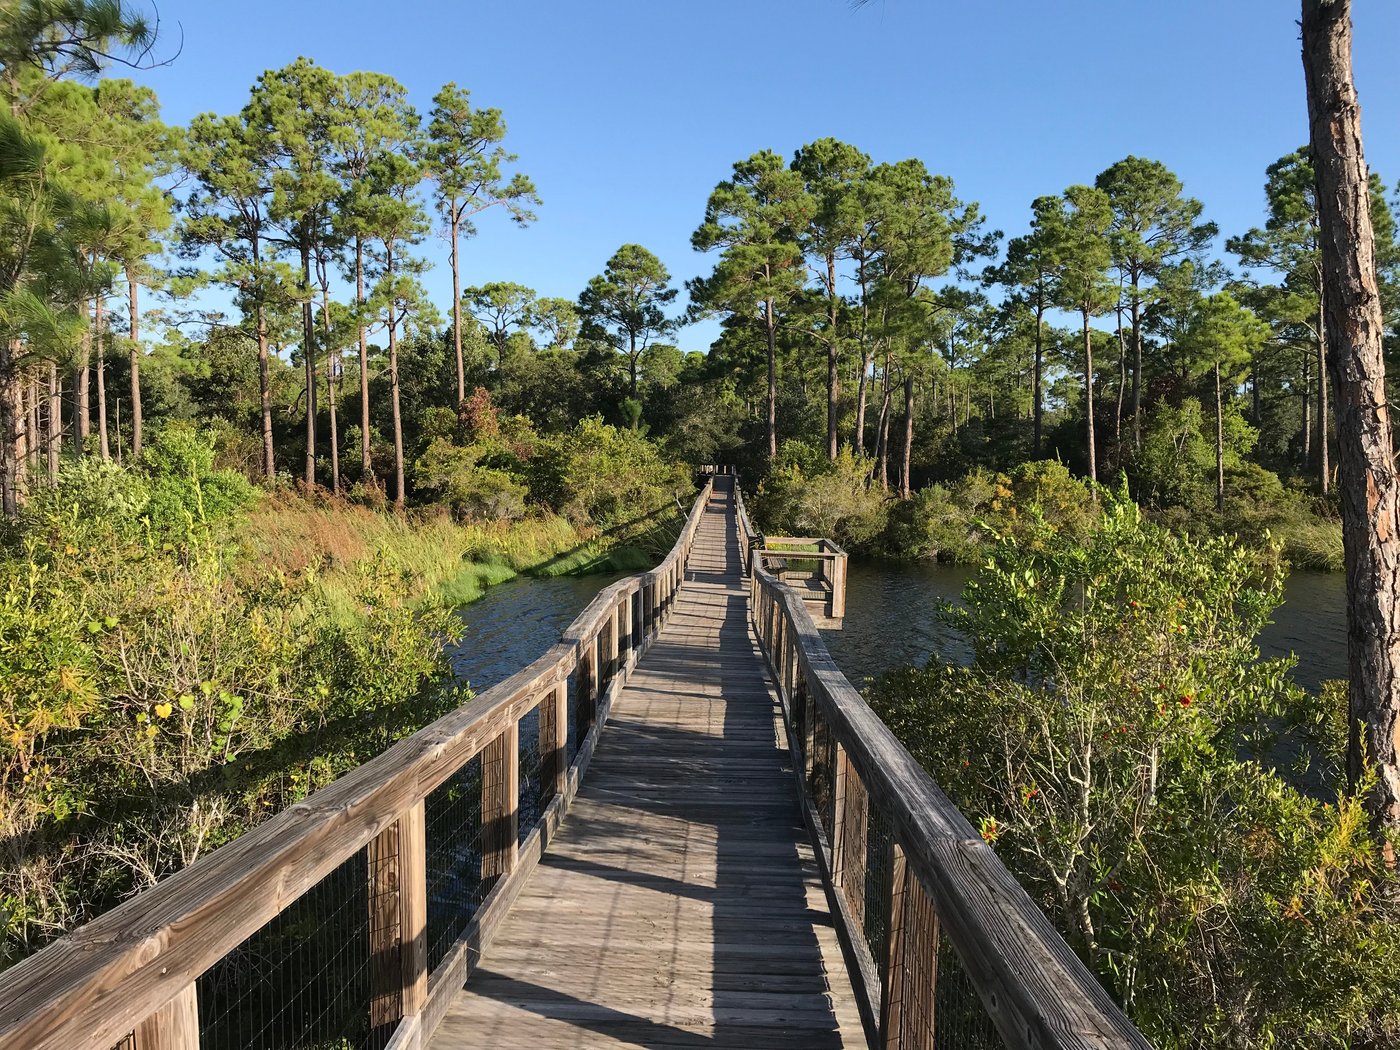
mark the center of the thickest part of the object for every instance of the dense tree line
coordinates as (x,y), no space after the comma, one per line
(863,304)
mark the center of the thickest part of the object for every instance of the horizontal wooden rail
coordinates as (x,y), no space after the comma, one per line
(935,879)
(131,972)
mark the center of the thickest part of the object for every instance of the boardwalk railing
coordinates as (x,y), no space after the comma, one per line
(945,947)
(823,586)
(350,918)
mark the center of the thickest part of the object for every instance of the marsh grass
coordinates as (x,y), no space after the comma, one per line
(332,542)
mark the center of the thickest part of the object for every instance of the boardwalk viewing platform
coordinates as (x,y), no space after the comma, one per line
(679,827)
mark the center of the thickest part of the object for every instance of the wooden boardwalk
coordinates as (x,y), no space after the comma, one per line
(680,904)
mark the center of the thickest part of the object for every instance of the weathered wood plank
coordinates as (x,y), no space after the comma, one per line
(175,1026)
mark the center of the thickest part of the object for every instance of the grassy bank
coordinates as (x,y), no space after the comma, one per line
(334,543)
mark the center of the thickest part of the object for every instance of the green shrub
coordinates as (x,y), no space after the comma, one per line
(186,487)
(835,500)
(157,703)
(604,477)
(1136,764)
(451,472)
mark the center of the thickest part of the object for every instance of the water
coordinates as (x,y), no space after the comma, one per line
(514,622)
(891,620)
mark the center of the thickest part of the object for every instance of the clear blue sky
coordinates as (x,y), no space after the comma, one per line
(626,113)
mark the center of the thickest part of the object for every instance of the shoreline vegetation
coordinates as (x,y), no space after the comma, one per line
(960,521)
(1176,803)
(186,654)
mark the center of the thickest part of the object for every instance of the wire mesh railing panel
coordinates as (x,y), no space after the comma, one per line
(854,835)
(879,882)
(302,982)
(917,970)
(532,759)
(959,1018)
(455,888)
(821,777)
(571,716)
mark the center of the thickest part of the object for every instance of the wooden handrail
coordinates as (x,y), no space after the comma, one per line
(945,880)
(133,968)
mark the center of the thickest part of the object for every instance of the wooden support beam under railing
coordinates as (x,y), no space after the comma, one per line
(553,741)
(500,809)
(175,1026)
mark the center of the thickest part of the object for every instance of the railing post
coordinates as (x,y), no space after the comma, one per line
(500,796)
(398,920)
(554,741)
(648,593)
(851,819)
(175,1026)
(586,689)
(908,993)
(612,646)
(838,586)
(839,780)
(624,626)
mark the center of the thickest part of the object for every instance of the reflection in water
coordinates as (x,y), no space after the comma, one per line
(514,622)
(891,620)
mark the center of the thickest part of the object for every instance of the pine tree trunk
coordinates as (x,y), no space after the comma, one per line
(1135,311)
(103,449)
(399,493)
(332,356)
(1324,459)
(456,308)
(1219,444)
(54,431)
(866,359)
(632,364)
(833,359)
(308,352)
(35,447)
(10,462)
(771,325)
(134,333)
(1038,391)
(1089,398)
(1307,412)
(906,488)
(882,437)
(366,460)
(265,393)
(1122,382)
(81,392)
(1369,488)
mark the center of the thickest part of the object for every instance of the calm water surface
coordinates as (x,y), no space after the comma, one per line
(891,620)
(516,621)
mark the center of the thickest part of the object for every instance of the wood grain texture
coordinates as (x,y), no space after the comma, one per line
(680,904)
(175,1026)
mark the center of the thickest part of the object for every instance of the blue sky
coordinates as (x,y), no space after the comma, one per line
(626,113)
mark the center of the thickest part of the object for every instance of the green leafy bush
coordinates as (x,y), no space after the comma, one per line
(160,698)
(604,477)
(1138,766)
(453,474)
(834,500)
